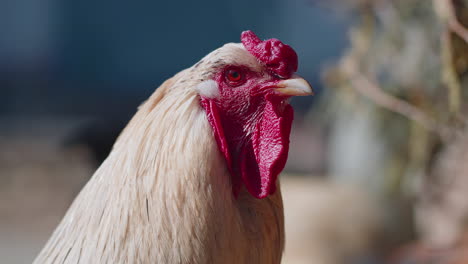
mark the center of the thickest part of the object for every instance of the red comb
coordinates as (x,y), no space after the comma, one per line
(277,56)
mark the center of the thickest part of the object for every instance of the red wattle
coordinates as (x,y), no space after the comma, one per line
(214,118)
(256,160)
(261,165)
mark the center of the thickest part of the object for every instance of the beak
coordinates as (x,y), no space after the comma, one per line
(295,86)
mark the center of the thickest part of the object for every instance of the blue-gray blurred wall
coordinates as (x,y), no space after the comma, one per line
(104,57)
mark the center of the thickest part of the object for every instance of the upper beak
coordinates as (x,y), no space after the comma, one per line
(295,86)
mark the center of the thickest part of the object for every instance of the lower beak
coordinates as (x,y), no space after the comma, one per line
(295,86)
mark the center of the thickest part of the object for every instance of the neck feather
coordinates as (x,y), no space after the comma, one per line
(163,171)
(164,196)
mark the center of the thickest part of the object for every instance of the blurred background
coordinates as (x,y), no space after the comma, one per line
(376,170)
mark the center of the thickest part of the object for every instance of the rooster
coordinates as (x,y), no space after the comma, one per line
(193,176)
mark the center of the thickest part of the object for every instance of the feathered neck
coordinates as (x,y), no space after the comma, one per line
(164,196)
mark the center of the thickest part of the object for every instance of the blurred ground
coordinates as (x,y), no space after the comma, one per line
(38,180)
(328,223)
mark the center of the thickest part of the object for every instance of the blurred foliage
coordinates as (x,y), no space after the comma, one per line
(407,65)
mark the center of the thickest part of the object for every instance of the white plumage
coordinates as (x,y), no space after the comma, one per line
(164,194)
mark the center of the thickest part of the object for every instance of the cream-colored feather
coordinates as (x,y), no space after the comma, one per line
(164,194)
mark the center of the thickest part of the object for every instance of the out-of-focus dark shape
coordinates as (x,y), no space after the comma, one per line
(98,136)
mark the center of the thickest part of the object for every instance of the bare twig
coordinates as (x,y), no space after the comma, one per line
(370,89)
(453,23)
(449,74)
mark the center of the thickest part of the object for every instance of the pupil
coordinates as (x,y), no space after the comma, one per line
(235,75)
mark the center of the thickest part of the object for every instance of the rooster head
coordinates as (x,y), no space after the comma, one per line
(244,89)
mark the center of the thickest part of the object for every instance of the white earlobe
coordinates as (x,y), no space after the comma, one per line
(208,89)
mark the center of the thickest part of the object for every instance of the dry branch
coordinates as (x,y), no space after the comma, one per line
(453,23)
(370,89)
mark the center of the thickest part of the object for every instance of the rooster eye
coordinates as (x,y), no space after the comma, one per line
(234,76)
